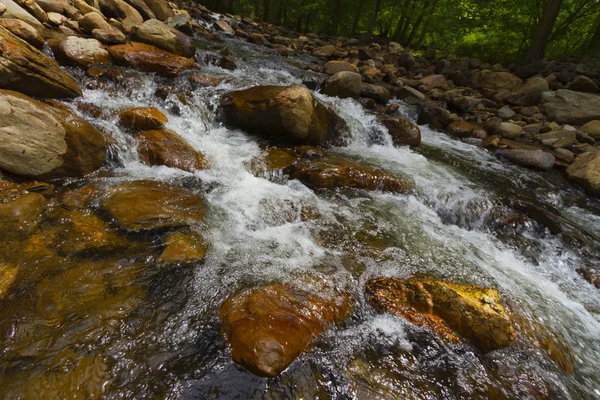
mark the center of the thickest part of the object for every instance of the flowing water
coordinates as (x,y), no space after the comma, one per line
(157,334)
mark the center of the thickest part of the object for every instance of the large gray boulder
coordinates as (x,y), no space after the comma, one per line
(569,107)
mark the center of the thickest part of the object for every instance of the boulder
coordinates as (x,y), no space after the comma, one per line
(496,80)
(142,8)
(224,26)
(451,311)
(79,51)
(268,327)
(430,113)
(181,22)
(161,35)
(463,129)
(23,30)
(93,20)
(109,36)
(325,51)
(46,140)
(344,84)
(376,92)
(592,128)
(13,10)
(509,130)
(403,132)
(410,95)
(257,38)
(321,170)
(85,8)
(8,273)
(583,84)
(285,113)
(406,61)
(569,107)
(333,67)
(142,118)
(19,218)
(165,147)
(160,8)
(530,94)
(146,58)
(56,19)
(2,9)
(434,82)
(29,71)
(150,205)
(120,10)
(535,159)
(585,172)
(183,248)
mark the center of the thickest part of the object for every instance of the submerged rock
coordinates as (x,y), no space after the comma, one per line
(285,113)
(27,70)
(450,310)
(146,58)
(148,205)
(268,327)
(46,140)
(165,147)
(8,275)
(327,171)
(403,132)
(585,171)
(183,248)
(20,217)
(141,118)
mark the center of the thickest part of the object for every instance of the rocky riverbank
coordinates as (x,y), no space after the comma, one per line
(91,245)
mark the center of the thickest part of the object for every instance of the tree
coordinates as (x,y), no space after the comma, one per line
(543,30)
(376,6)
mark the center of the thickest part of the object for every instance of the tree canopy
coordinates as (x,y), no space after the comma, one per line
(495,30)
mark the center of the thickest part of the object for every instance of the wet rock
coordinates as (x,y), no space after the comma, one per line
(529,158)
(46,140)
(530,94)
(8,275)
(181,22)
(344,84)
(325,51)
(214,58)
(80,52)
(403,132)
(372,75)
(142,118)
(585,171)
(376,92)
(149,205)
(109,36)
(539,214)
(496,80)
(146,58)
(463,129)
(592,128)
(183,248)
(23,30)
(333,67)
(450,310)
(430,113)
(142,8)
(327,171)
(257,38)
(20,217)
(165,147)
(410,95)
(161,35)
(285,113)
(122,11)
(268,327)
(434,82)
(569,107)
(590,274)
(224,26)
(27,70)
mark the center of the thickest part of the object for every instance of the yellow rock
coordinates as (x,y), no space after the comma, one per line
(8,274)
(183,248)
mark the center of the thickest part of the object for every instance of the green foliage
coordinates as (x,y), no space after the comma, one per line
(493,30)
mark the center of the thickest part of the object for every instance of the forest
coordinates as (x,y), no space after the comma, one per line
(494,30)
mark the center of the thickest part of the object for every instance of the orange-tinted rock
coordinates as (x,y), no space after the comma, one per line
(142,118)
(146,58)
(23,30)
(450,310)
(326,171)
(403,132)
(147,205)
(78,51)
(333,67)
(460,129)
(165,147)
(20,217)
(268,327)
(183,248)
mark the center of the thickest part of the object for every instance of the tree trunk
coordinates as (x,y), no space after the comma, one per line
(595,42)
(266,10)
(543,30)
(307,22)
(256,8)
(336,17)
(361,4)
(376,6)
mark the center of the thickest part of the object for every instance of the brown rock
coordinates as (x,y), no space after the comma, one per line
(93,20)
(224,26)
(165,147)
(8,273)
(142,118)
(496,80)
(160,8)
(434,82)
(23,30)
(20,217)
(344,84)
(161,35)
(183,248)
(287,113)
(585,171)
(27,70)
(450,310)
(109,36)
(146,58)
(78,51)
(149,205)
(268,327)
(325,51)
(403,132)
(333,67)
